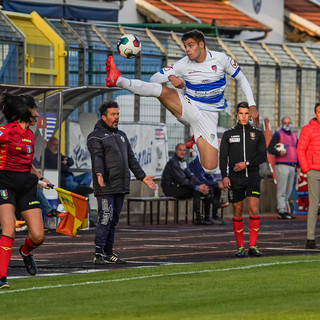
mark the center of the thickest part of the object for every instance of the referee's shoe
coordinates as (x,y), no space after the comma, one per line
(29,263)
(254,252)
(4,284)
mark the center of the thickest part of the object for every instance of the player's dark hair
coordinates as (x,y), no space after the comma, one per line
(107,105)
(315,107)
(17,107)
(242,104)
(194,34)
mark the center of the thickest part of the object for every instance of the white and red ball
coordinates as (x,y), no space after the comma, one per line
(129,46)
(280,147)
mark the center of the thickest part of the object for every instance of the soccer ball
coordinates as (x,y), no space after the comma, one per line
(280,147)
(129,46)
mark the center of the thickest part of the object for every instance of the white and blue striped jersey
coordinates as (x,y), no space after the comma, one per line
(205,82)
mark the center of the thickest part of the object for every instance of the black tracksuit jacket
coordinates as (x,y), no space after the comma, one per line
(234,150)
(111,155)
(174,176)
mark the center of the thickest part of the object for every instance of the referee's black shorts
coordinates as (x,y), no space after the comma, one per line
(19,189)
(250,187)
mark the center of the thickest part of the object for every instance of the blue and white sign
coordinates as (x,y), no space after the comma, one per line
(149,143)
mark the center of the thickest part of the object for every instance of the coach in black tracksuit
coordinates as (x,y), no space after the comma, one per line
(112,157)
(243,149)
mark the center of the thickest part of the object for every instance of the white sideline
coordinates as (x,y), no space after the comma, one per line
(4,291)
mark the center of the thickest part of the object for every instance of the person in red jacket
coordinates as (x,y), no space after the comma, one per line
(18,181)
(308,151)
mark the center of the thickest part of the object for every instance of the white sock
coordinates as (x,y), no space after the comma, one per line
(142,88)
(209,172)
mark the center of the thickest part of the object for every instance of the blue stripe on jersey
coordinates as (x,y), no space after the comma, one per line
(207,86)
(206,100)
(236,73)
(210,54)
(161,71)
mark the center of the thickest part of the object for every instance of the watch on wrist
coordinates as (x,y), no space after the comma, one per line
(247,163)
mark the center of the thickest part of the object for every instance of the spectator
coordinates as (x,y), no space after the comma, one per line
(243,149)
(214,195)
(179,182)
(285,168)
(112,157)
(309,159)
(79,183)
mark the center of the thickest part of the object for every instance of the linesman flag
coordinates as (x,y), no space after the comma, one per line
(76,207)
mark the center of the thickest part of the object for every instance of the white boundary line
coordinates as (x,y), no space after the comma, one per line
(155,276)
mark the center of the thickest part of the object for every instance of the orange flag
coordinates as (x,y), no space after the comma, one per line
(76,207)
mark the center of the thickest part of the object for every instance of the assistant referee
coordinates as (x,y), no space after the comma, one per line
(18,181)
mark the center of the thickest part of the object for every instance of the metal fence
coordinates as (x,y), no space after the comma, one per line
(284,77)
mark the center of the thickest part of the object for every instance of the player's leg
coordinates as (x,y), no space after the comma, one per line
(208,155)
(237,225)
(167,96)
(201,125)
(254,225)
(173,101)
(33,218)
(204,127)
(8,223)
(236,197)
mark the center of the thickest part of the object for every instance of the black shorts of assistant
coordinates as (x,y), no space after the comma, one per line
(249,188)
(19,189)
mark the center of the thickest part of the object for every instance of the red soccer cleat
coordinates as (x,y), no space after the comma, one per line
(113,73)
(190,143)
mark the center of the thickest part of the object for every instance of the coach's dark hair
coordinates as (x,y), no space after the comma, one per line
(242,104)
(194,34)
(17,107)
(107,105)
(315,107)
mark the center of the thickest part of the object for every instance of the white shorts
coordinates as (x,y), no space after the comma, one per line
(203,123)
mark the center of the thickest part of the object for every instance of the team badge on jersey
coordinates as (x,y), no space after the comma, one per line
(214,68)
(252,135)
(212,136)
(234,139)
(166,68)
(233,63)
(122,138)
(29,149)
(4,194)
(1,133)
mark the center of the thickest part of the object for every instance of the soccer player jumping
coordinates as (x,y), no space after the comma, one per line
(203,73)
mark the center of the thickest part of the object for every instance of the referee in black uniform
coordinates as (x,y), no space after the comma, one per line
(242,150)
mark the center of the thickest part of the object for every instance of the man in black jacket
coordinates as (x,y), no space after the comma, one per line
(112,157)
(179,182)
(243,149)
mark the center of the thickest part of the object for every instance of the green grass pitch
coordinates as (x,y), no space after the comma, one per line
(256,288)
